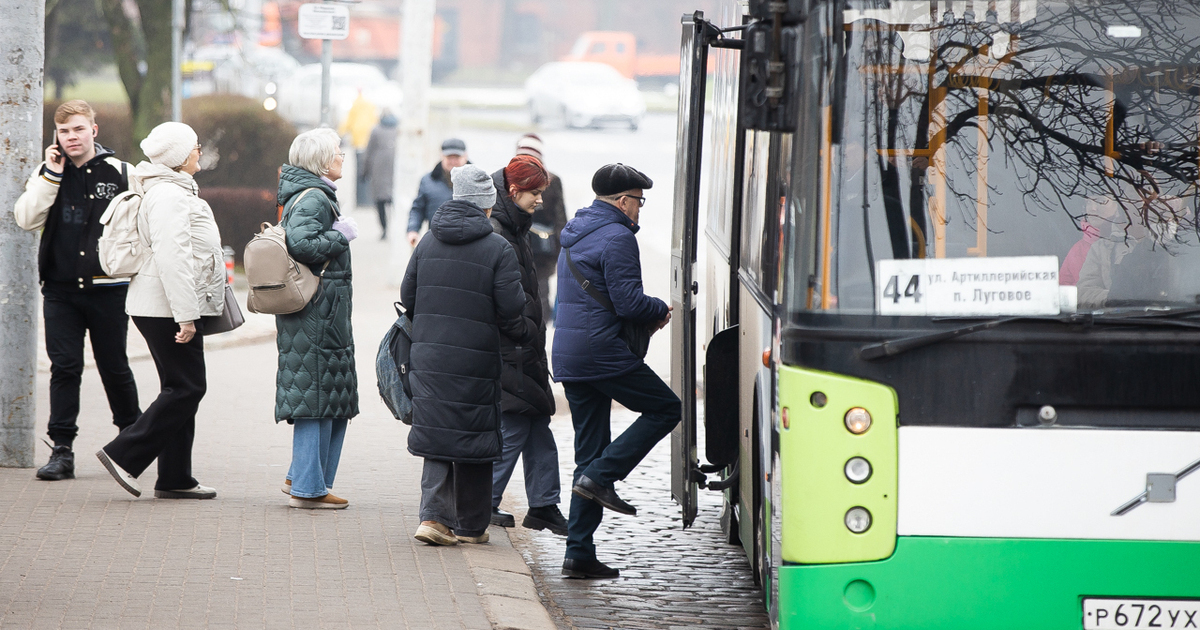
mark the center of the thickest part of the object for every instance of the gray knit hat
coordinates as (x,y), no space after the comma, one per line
(474,185)
(169,144)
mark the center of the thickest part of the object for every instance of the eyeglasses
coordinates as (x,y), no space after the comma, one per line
(641,200)
(340,154)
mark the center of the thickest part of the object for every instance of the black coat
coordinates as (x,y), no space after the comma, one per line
(462,290)
(526,376)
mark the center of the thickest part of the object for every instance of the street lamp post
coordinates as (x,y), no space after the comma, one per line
(22,42)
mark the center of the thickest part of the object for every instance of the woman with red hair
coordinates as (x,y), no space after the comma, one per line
(526,402)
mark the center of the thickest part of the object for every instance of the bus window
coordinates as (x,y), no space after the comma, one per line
(1061,130)
(757,209)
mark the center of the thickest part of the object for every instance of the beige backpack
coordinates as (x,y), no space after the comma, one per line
(278,283)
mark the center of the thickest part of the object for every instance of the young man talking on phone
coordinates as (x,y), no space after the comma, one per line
(65,198)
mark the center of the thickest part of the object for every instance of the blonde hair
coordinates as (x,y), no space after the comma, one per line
(314,150)
(76,107)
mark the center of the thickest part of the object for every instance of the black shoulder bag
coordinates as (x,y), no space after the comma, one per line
(636,336)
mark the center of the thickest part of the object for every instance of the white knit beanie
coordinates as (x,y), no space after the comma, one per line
(170,144)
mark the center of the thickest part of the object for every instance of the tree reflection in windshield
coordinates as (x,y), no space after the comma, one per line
(1029,128)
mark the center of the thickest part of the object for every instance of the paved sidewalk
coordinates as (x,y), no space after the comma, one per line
(85,554)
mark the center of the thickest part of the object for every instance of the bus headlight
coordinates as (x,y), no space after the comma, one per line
(858,420)
(858,470)
(858,520)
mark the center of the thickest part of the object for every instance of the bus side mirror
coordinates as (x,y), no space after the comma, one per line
(770,78)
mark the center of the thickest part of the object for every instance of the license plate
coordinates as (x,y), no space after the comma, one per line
(1139,614)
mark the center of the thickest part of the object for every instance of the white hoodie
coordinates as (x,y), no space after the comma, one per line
(184,277)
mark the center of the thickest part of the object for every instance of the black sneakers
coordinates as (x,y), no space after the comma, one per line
(545,517)
(500,518)
(60,466)
(588,569)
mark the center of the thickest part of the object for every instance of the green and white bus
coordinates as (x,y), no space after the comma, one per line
(943,337)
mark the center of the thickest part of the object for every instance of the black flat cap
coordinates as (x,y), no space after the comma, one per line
(617,178)
(454,146)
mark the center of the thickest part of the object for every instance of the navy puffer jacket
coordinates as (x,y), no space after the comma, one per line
(462,289)
(604,249)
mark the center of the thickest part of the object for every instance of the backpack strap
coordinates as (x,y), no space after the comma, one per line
(292,204)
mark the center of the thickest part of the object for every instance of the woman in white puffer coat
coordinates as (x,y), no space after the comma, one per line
(181,282)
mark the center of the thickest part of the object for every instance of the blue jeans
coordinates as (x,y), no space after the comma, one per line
(316,450)
(604,460)
(532,441)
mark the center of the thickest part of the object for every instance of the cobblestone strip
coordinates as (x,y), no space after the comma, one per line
(671,579)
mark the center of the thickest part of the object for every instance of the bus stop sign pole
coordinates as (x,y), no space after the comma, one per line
(325,22)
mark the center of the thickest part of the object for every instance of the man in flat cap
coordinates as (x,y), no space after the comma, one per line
(599,293)
(435,188)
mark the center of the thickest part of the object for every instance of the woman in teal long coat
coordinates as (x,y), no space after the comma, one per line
(316,387)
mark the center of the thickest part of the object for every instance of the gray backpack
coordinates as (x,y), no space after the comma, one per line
(278,283)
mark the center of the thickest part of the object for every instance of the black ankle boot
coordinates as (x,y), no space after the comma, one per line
(60,466)
(545,517)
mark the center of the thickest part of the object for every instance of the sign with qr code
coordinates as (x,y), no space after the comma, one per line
(324,21)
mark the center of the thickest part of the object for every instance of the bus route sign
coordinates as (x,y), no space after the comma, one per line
(324,21)
(1016,285)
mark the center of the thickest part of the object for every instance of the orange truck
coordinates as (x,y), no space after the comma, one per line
(619,50)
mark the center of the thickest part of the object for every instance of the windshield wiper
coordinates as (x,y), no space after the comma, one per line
(1142,317)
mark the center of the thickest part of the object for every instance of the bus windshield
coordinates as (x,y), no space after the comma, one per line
(1003,158)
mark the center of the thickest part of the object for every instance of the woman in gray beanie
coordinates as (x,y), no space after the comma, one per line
(462,289)
(181,282)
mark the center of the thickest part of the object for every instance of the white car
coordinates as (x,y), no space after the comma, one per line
(583,94)
(299,95)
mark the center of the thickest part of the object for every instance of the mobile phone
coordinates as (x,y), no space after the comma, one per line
(62,155)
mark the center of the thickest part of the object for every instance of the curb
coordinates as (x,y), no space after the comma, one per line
(505,584)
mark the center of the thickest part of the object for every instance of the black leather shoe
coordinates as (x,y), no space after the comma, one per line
(607,497)
(502,518)
(60,466)
(545,517)
(588,569)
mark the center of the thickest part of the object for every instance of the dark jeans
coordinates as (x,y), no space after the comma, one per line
(166,430)
(606,461)
(382,208)
(457,495)
(531,440)
(99,314)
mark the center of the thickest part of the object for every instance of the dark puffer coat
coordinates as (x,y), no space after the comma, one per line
(603,247)
(526,375)
(462,290)
(316,377)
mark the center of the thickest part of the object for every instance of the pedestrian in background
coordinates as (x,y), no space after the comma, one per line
(596,366)
(552,213)
(316,386)
(65,198)
(359,122)
(527,402)
(435,188)
(462,290)
(181,281)
(379,165)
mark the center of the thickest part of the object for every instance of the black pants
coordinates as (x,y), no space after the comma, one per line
(604,460)
(166,430)
(382,208)
(70,315)
(457,495)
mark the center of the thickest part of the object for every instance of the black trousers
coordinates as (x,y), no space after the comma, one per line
(457,495)
(604,460)
(70,315)
(167,428)
(381,206)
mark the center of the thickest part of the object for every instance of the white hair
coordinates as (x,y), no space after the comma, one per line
(314,150)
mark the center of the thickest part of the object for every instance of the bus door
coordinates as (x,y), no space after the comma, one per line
(684,226)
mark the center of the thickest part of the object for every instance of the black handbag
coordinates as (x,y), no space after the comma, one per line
(543,242)
(228,320)
(636,336)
